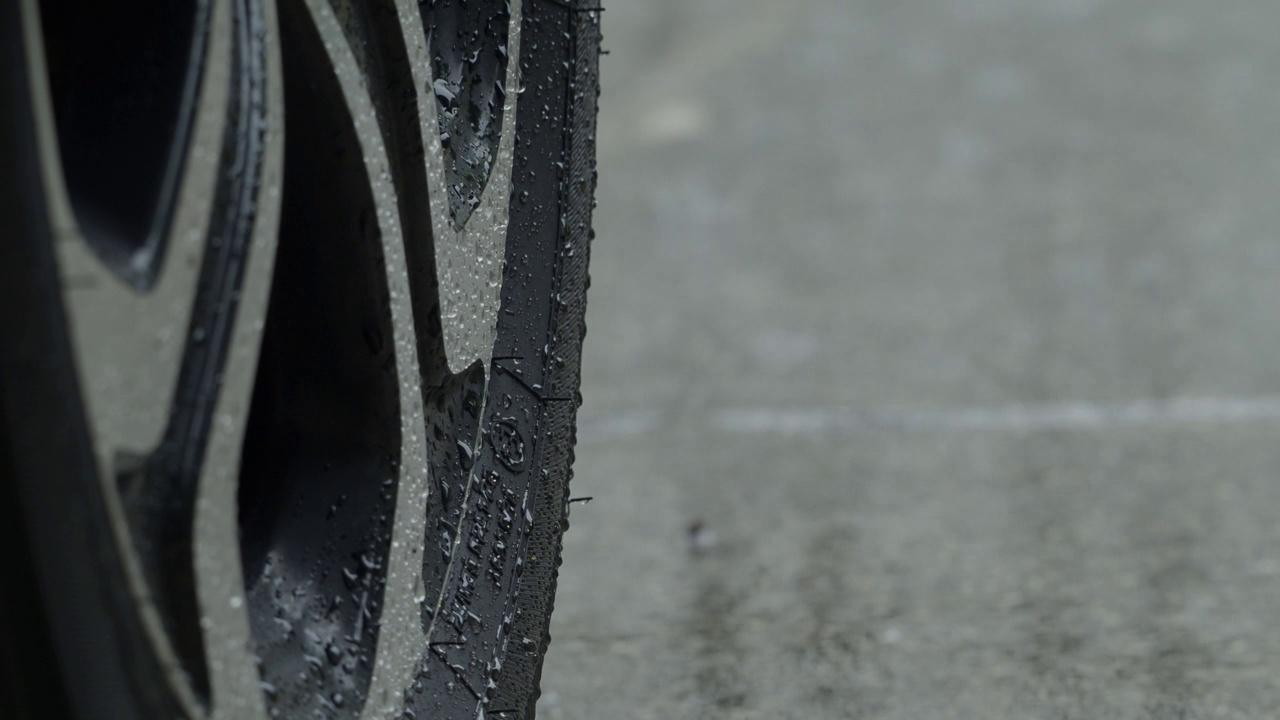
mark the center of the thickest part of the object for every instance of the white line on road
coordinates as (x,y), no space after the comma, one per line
(1073,416)
(1010,418)
(596,428)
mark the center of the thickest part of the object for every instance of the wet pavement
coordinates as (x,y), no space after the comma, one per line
(933,365)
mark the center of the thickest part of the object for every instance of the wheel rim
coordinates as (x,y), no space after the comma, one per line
(245,615)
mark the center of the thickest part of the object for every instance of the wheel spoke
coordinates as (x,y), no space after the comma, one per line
(130,369)
(470,231)
(251,219)
(334,473)
(154,298)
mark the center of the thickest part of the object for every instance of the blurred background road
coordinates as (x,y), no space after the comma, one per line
(933,367)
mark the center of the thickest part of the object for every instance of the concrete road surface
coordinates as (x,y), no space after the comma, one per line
(933,367)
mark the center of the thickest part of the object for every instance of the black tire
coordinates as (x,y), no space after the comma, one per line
(354,498)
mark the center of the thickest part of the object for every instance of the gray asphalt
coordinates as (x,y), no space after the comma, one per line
(933,365)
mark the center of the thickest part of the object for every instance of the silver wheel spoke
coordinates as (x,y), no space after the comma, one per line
(236,685)
(400,637)
(164,397)
(468,254)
